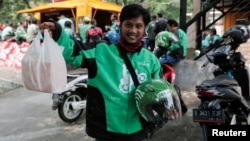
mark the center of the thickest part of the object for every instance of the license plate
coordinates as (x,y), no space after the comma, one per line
(208,115)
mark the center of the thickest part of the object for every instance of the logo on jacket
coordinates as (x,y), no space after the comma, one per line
(127,82)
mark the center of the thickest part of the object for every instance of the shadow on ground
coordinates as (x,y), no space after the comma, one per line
(183,130)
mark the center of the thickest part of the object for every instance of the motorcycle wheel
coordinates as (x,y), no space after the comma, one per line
(184,107)
(66,111)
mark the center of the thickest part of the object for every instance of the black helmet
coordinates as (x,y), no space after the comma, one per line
(238,33)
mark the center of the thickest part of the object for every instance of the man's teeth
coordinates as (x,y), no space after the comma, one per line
(132,36)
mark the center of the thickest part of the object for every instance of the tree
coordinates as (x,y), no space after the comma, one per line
(11,6)
(170,8)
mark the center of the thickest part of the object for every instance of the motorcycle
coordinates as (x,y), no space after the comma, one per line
(223,99)
(168,74)
(71,103)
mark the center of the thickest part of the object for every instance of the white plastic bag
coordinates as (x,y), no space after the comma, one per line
(43,66)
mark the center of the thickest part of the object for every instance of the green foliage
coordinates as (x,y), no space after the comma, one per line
(9,8)
(170,8)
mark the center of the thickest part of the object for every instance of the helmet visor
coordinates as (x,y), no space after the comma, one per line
(167,109)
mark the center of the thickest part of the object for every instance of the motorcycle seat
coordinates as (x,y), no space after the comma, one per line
(77,72)
(247,98)
(220,80)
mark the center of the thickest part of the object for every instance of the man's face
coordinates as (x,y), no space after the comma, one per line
(24,24)
(170,28)
(112,18)
(28,18)
(133,29)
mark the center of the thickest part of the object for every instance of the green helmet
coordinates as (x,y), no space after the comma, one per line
(155,99)
(165,39)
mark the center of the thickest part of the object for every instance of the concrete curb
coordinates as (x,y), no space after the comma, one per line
(10,78)
(6,85)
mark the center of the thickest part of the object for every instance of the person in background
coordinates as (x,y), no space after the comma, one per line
(28,20)
(115,24)
(68,30)
(178,51)
(2,26)
(111,112)
(20,34)
(63,19)
(94,33)
(211,39)
(205,34)
(161,23)
(8,32)
(150,31)
(32,30)
(83,28)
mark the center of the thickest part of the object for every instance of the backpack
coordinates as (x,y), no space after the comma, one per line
(94,34)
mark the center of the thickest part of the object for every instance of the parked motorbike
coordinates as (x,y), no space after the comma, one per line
(71,103)
(223,98)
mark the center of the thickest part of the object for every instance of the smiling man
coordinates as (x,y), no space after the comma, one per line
(111,110)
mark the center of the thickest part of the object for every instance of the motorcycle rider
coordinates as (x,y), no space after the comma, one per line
(164,40)
(111,112)
(177,51)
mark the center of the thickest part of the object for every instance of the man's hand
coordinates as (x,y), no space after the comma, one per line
(47,25)
(107,27)
(172,114)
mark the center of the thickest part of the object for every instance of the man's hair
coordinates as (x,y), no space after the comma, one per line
(10,24)
(172,22)
(159,14)
(93,21)
(213,30)
(134,11)
(115,15)
(154,17)
(34,20)
(67,24)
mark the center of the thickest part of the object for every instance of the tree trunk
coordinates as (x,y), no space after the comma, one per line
(116,1)
(125,2)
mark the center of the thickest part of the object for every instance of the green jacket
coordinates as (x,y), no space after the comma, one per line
(82,32)
(7,31)
(111,108)
(210,40)
(115,27)
(20,33)
(179,49)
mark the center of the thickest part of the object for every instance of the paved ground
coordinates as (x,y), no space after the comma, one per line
(10,78)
